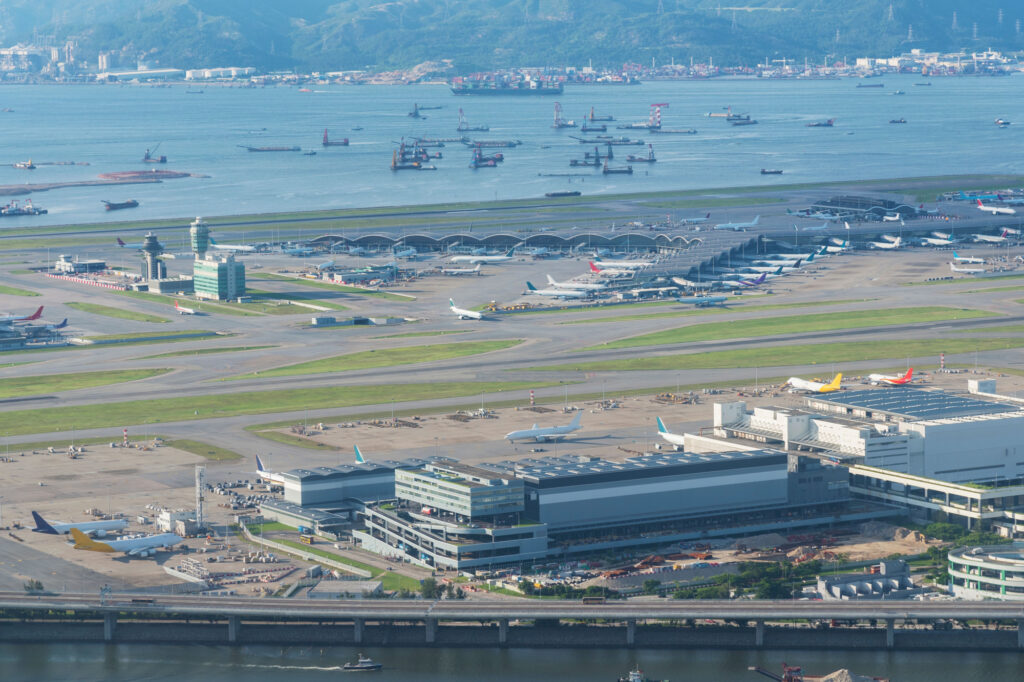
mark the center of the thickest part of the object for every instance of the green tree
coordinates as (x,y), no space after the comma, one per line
(651,586)
(429,589)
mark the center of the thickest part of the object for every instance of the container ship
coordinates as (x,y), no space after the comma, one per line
(481,86)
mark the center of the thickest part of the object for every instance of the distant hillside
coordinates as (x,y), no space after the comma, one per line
(485,34)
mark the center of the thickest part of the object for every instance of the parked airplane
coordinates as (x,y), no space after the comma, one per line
(798,384)
(455,272)
(990,238)
(547,433)
(9,319)
(704,301)
(611,272)
(978,197)
(96,528)
(140,547)
(814,215)
(738,226)
(812,228)
(359,455)
(885,244)
(837,248)
(183,310)
(970,260)
(625,264)
(996,210)
(231,247)
(128,246)
(356,251)
(935,241)
(759,280)
(55,327)
(583,286)
(694,221)
(557,293)
(892,379)
(268,476)
(300,251)
(673,438)
(408,252)
(887,218)
(464,314)
(326,265)
(472,259)
(966,271)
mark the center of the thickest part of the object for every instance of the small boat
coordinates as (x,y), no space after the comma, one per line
(364,664)
(744,122)
(309,152)
(25,165)
(870,85)
(270,149)
(637,675)
(899,92)
(118,205)
(567,193)
(1002,123)
(898,120)
(771,171)
(822,124)
(921,85)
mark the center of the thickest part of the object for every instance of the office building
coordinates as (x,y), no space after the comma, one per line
(220,279)
(994,572)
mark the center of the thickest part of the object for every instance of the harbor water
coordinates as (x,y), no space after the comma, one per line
(203,129)
(117,663)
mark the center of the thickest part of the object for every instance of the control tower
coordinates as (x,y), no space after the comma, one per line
(200,234)
(153,268)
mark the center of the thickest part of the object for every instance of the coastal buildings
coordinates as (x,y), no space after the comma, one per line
(995,572)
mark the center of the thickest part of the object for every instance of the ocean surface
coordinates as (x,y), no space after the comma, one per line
(950,129)
(85,663)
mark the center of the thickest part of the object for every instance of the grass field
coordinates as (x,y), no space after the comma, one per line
(793,324)
(805,354)
(289,439)
(214,453)
(735,305)
(319,284)
(1011,328)
(190,408)
(390,580)
(17,387)
(120,313)
(281,297)
(204,351)
(14,291)
(386,357)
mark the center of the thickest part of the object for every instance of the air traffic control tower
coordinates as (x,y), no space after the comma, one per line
(200,234)
(152,268)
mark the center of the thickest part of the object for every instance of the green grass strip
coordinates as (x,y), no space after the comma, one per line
(807,354)
(341,288)
(297,441)
(386,357)
(794,324)
(14,291)
(120,313)
(191,408)
(993,290)
(204,351)
(214,453)
(1011,328)
(17,387)
(734,306)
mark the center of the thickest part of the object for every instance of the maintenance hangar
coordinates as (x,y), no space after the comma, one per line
(321,486)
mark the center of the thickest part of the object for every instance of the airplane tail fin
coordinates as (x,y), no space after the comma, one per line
(83,541)
(706,216)
(477,268)
(359,455)
(451,302)
(42,526)
(511,252)
(955,255)
(835,383)
(661,426)
(63,323)
(777,272)
(575,423)
(1005,234)
(810,258)
(908,375)
(980,205)
(594,268)
(551,280)
(36,315)
(119,242)
(259,464)
(530,287)
(176,306)
(754,221)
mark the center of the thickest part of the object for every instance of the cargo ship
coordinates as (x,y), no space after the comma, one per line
(118,205)
(567,193)
(343,142)
(466,86)
(271,149)
(15,209)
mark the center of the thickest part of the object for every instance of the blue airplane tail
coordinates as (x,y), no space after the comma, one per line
(531,287)
(359,455)
(259,464)
(42,526)
(661,426)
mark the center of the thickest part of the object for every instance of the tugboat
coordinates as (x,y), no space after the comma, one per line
(1002,123)
(363,665)
(771,171)
(637,675)
(25,165)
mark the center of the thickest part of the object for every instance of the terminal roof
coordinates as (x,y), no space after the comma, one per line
(913,403)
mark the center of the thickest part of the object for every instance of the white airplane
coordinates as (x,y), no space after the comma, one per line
(943,235)
(814,215)
(9,319)
(128,246)
(966,271)
(556,293)
(704,301)
(624,264)
(738,226)
(584,286)
(812,228)
(462,313)
(474,259)
(837,248)
(408,252)
(886,244)
(673,438)
(300,251)
(996,210)
(990,238)
(268,476)
(548,433)
(893,219)
(183,310)
(935,241)
(231,247)
(610,272)
(970,260)
(693,284)
(695,221)
(96,528)
(140,547)
(326,265)
(798,384)
(455,272)
(892,379)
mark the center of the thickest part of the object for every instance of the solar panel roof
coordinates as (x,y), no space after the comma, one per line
(914,403)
